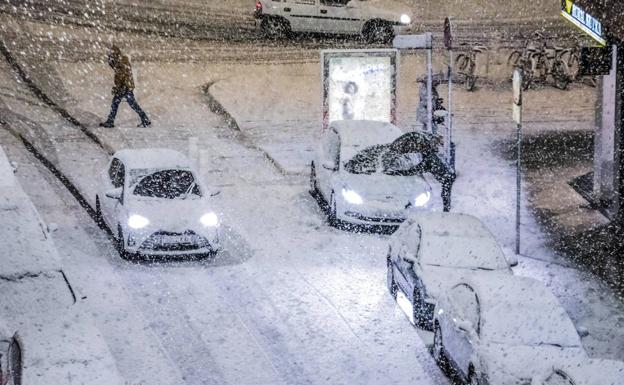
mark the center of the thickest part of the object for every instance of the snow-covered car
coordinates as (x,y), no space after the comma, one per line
(502,330)
(588,372)
(353,175)
(10,358)
(433,250)
(374,20)
(154,203)
(58,342)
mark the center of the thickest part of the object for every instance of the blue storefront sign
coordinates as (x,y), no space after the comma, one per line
(582,19)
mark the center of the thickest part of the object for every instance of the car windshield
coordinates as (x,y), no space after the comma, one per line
(444,250)
(166,184)
(383,159)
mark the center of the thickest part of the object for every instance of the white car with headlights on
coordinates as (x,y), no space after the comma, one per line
(588,372)
(374,20)
(359,178)
(502,330)
(431,251)
(154,203)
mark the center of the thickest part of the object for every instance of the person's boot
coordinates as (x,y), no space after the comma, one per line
(145,124)
(107,125)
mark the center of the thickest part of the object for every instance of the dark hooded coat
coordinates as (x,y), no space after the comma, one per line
(120,63)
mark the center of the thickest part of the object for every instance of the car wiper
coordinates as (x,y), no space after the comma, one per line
(188,190)
(482,268)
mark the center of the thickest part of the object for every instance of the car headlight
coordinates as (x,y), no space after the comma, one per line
(209,220)
(422,199)
(137,221)
(405,19)
(352,197)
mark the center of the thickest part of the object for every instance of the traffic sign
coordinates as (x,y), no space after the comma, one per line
(517,96)
(422,41)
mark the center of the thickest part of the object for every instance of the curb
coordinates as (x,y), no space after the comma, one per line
(217,108)
(38,92)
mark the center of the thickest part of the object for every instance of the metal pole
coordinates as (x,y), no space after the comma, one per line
(449,136)
(430,126)
(518,183)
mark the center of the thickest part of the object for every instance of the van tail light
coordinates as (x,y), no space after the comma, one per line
(258,11)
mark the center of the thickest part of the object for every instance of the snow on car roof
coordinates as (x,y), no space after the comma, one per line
(152,158)
(450,224)
(366,132)
(595,372)
(496,290)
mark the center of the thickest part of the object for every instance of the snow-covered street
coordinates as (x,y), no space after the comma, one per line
(289,299)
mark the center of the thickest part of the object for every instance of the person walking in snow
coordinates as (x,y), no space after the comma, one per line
(123,88)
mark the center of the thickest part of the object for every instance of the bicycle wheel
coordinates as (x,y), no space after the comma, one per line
(560,76)
(471,77)
(514,58)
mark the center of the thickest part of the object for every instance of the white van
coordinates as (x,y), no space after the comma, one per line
(374,20)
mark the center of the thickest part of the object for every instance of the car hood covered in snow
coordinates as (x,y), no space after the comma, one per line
(517,365)
(170,214)
(389,189)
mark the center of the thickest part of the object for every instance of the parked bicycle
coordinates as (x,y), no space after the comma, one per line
(573,59)
(467,66)
(542,64)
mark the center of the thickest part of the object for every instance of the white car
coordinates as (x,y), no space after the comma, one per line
(155,205)
(374,20)
(502,330)
(57,341)
(431,251)
(588,372)
(353,182)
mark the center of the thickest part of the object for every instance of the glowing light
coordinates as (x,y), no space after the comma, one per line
(137,221)
(352,197)
(209,220)
(405,19)
(422,199)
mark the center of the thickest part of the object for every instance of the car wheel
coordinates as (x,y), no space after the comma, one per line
(473,378)
(274,27)
(98,211)
(121,247)
(313,185)
(392,286)
(378,32)
(333,216)
(419,308)
(439,355)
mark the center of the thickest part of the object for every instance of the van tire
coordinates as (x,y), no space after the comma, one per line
(378,31)
(275,27)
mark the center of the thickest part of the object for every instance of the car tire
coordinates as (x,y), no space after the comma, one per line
(98,212)
(378,31)
(439,355)
(473,378)
(392,286)
(421,319)
(313,185)
(121,247)
(275,27)
(332,216)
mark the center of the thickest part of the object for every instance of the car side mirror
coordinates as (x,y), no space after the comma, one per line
(582,331)
(329,166)
(114,193)
(512,260)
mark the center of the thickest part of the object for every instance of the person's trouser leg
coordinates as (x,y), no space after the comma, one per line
(135,106)
(114,108)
